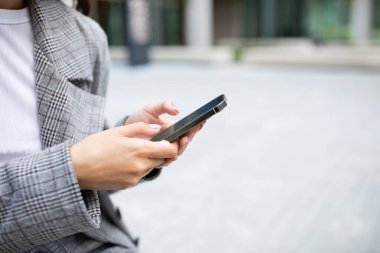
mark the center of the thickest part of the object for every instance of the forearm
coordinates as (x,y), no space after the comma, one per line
(41,200)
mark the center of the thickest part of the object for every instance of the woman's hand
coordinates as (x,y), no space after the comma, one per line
(119,157)
(151,114)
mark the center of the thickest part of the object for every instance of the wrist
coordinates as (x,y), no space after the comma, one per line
(78,165)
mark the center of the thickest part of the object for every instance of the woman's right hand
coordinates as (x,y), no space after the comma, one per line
(118,158)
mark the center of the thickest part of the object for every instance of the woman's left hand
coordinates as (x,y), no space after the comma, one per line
(151,113)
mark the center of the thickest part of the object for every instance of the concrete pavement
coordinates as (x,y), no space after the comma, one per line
(291,165)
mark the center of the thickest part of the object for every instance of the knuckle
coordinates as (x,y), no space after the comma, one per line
(130,181)
(139,168)
(125,182)
(125,185)
(143,147)
(139,148)
(134,181)
(142,126)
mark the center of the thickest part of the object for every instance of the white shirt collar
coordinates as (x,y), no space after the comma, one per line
(10,17)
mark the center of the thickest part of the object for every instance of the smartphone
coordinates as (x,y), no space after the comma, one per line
(184,125)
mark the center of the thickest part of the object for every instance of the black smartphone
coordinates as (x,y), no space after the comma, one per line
(184,125)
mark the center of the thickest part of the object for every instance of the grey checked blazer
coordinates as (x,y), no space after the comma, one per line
(42,208)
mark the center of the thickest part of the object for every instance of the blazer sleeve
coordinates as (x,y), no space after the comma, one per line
(40,200)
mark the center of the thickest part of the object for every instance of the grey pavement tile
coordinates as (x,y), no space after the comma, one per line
(291,165)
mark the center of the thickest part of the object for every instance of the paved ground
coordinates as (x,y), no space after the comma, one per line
(292,165)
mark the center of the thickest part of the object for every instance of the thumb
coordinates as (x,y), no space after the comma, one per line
(139,130)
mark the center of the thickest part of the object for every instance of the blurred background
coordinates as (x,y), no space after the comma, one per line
(242,30)
(293,163)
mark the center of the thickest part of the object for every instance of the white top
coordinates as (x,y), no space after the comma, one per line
(19,129)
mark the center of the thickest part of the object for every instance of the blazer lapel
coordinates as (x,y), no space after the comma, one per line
(59,37)
(57,60)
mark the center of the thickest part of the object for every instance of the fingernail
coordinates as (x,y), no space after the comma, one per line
(155,126)
(175,107)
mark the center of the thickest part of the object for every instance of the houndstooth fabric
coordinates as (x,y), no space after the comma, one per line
(42,208)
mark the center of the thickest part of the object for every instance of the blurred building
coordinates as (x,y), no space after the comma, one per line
(215,22)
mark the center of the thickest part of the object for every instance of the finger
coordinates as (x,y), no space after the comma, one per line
(156,109)
(168,162)
(154,163)
(165,123)
(193,131)
(183,142)
(160,149)
(138,130)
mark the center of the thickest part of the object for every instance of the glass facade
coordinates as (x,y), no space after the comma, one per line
(109,14)
(376,15)
(328,20)
(168,22)
(320,20)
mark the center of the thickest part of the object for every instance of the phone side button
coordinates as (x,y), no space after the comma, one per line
(218,109)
